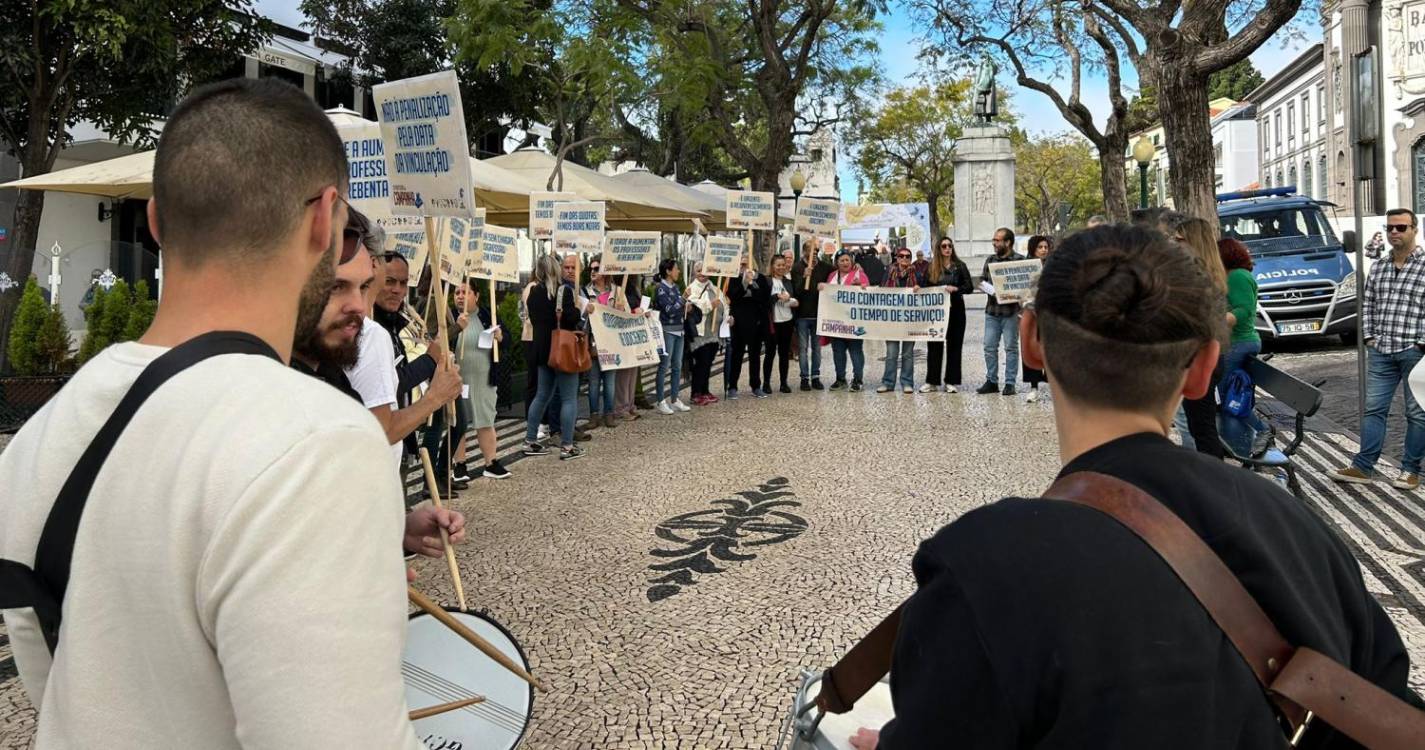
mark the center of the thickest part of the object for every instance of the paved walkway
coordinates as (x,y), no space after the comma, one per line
(670,585)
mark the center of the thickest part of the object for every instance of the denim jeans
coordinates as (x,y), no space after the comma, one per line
(839,348)
(673,359)
(810,344)
(1384,372)
(1235,358)
(1180,423)
(601,389)
(900,355)
(1007,330)
(567,385)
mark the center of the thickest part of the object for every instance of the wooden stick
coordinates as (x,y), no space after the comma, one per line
(494,322)
(429,711)
(434,610)
(444,535)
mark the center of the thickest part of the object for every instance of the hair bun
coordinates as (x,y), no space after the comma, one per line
(1118,291)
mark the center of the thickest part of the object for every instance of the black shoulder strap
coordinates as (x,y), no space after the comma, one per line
(43,588)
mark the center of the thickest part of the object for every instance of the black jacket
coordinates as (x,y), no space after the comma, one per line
(957,276)
(1047,624)
(808,299)
(541,318)
(409,374)
(750,307)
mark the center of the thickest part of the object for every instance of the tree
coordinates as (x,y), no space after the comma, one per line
(52,343)
(1041,40)
(1235,81)
(117,65)
(141,313)
(29,316)
(94,340)
(1056,183)
(911,139)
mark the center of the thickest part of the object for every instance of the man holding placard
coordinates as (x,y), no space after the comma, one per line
(1001,319)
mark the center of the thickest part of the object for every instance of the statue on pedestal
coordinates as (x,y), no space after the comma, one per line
(986,106)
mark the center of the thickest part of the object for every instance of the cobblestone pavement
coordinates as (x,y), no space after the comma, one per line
(652,637)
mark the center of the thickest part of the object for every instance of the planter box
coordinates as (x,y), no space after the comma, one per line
(21,397)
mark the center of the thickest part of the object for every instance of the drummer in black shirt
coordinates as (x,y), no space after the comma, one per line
(1047,624)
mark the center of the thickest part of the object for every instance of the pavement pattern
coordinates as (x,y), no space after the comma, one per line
(670,585)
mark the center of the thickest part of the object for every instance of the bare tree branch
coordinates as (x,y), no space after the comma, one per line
(1271,17)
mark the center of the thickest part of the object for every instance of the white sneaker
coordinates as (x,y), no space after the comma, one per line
(927,388)
(680,406)
(951,389)
(908,389)
(663,407)
(1032,397)
(543,432)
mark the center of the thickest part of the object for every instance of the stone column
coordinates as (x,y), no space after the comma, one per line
(984,188)
(1355,38)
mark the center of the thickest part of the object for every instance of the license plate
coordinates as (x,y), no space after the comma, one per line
(1309,326)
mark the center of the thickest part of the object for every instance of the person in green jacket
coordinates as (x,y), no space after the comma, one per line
(1241,308)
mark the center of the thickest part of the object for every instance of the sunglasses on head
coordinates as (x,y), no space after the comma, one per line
(351,237)
(1399,228)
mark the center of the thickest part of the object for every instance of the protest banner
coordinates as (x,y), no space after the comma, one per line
(883,313)
(633,253)
(622,339)
(579,227)
(723,256)
(541,213)
(474,241)
(817,217)
(655,330)
(426,151)
(748,209)
(500,248)
(1014,280)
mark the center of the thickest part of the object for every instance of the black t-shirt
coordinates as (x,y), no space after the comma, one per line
(1045,624)
(331,375)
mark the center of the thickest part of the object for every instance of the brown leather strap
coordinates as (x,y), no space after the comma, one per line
(1352,704)
(861,668)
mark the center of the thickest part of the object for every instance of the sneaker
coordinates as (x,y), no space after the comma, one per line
(711,399)
(855,385)
(543,432)
(1406,481)
(990,386)
(951,389)
(817,386)
(928,388)
(1351,475)
(907,389)
(664,408)
(680,406)
(806,384)
(461,475)
(581,437)
(839,385)
(592,423)
(494,470)
(1032,397)
(1009,390)
(570,453)
(763,393)
(883,388)
(731,394)
(535,449)
(610,420)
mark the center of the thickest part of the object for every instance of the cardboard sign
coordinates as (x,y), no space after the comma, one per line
(655,329)
(817,217)
(453,237)
(747,209)
(426,150)
(622,339)
(499,248)
(474,241)
(723,256)
(579,227)
(883,313)
(1014,280)
(370,191)
(633,253)
(410,243)
(541,213)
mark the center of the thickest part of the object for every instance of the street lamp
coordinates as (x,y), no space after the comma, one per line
(1143,152)
(798,182)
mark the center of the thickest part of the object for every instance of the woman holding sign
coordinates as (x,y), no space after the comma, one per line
(477,371)
(847,274)
(779,343)
(704,295)
(900,355)
(601,382)
(552,304)
(947,270)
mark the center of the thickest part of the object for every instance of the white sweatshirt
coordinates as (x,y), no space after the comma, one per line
(237,578)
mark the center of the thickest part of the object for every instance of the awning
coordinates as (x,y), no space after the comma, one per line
(628,206)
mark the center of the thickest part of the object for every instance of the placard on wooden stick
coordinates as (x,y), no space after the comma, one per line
(749,209)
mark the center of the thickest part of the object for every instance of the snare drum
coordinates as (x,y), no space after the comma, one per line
(808,728)
(440,667)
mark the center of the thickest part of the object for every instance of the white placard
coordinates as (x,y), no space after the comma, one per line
(369,191)
(426,148)
(723,256)
(623,340)
(1014,280)
(578,227)
(474,246)
(817,217)
(454,236)
(883,313)
(500,249)
(633,253)
(541,213)
(748,209)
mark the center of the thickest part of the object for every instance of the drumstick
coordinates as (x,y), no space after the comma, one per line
(434,610)
(444,535)
(428,711)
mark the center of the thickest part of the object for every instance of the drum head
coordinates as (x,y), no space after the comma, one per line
(440,667)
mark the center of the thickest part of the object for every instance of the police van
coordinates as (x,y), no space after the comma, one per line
(1306,284)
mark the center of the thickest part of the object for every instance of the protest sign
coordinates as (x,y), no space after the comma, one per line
(622,339)
(633,253)
(883,313)
(655,330)
(723,256)
(454,235)
(500,248)
(817,217)
(541,213)
(410,243)
(747,209)
(474,241)
(369,191)
(1014,280)
(579,227)
(426,151)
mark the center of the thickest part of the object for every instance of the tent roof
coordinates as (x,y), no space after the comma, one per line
(625,203)
(694,200)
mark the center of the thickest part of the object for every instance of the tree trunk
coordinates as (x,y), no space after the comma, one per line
(765,179)
(1112,178)
(933,201)
(20,259)
(1187,130)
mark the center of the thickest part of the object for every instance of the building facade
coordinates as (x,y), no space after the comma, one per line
(1292,126)
(1234,148)
(1159,165)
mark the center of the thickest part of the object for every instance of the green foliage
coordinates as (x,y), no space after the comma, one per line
(1056,179)
(118,315)
(52,344)
(140,313)
(1142,111)
(92,343)
(1235,81)
(511,349)
(24,331)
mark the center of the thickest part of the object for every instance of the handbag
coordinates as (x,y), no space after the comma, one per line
(1299,682)
(1239,394)
(568,350)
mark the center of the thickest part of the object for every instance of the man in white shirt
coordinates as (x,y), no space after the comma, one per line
(236,580)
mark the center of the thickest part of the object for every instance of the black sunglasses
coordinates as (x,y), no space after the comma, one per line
(902,255)
(351,237)
(1399,227)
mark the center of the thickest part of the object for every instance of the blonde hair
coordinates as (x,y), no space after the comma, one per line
(1200,237)
(549,273)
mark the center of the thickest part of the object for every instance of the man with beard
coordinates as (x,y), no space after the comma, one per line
(235,545)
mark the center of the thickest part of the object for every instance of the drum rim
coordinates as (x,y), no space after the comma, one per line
(519,647)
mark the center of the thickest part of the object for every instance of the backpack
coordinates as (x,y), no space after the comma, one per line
(1239,394)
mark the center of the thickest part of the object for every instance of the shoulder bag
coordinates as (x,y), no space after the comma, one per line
(568,350)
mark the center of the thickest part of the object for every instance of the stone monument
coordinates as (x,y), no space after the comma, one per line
(984,173)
